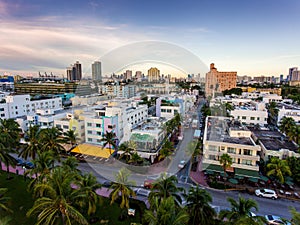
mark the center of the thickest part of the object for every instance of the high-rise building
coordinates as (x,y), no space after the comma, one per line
(96,71)
(128,74)
(216,82)
(74,72)
(153,74)
(291,70)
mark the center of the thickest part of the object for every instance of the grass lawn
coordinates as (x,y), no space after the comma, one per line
(21,201)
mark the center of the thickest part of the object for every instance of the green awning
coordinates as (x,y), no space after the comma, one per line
(246,173)
(239,177)
(233,181)
(263,178)
(288,178)
(212,167)
(253,179)
(209,172)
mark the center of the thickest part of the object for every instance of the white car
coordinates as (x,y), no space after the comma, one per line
(266,193)
(142,192)
(276,220)
(181,164)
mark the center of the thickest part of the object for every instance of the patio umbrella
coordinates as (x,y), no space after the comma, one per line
(288,182)
(209,172)
(238,177)
(233,181)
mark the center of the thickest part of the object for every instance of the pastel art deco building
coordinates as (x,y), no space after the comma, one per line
(216,82)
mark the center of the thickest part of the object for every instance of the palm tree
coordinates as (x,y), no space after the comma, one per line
(6,157)
(71,164)
(241,211)
(51,140)
(4,199)
(165,187)
(55,201)
(43,164)
(294,134)
(122,187)
(5,220)
(33,145)
(70,137)
(109,139)
(165,212)
(273,111)
(286,124)
(198,207)
(126,151)
(226,162)
(135,158)
(164,153)
(88,198)
(295,216)
(278,168)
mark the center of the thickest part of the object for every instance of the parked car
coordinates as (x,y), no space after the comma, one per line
(20,162)
(276,220)
(266,193)
(107,184)
(148,183)
(181,164)
(29,165)
(142,192)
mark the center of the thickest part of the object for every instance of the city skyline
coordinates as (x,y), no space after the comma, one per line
(253,38)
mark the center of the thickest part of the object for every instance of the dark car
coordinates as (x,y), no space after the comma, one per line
(20,162)
(29,165)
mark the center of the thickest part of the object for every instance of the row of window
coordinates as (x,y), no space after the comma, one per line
(234,160)
(231,150)
(91,140)
(251,118)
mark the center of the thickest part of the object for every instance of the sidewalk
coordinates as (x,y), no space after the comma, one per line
(198,176)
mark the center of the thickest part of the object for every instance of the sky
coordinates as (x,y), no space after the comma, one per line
(257,37)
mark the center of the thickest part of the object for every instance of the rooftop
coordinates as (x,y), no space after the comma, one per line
(218,130)
(274,140)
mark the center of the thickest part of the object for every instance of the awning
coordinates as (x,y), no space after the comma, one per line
(253,179)
(246,173)
(93,150)
(263,178)
(233,181)
(239,177)
(212,167)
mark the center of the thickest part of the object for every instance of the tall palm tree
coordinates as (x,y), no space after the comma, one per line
(52,140)
(55,201)
(165,187)
(294,133)
(122,187)
(71,164)
(164,153)
(5,220)
(278,168)
(240,212)
(88,198)
(295,216)
(33,145)
(70,137)
(165,212)
(6,157)
(4,199)
(286,124)
(226,162)
(198,207)
(109,139)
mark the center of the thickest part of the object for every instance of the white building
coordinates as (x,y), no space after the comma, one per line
(21,105)
(44,118)
(120,91)
(222,135)
(250,116)
(287,110)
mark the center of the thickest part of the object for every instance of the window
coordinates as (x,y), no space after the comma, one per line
(98,133)
(252,118)
(73,128)
(212,148)
(243,117)
(58,126)
(222,148)
(2,115)
(247,162)
(247,152)
(98,140)
(169,110)
(231,150)
(89,124)
(82,127)
(110,126)
(90,139)
(98,125)
(212,157)
(257,118)
(90,131)
(65,127)
(175,111)
(163,110)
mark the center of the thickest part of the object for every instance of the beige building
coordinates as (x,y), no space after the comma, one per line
(216,82)
(153,74)
(224,135)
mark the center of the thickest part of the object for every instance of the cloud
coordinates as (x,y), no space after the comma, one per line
(50,42)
